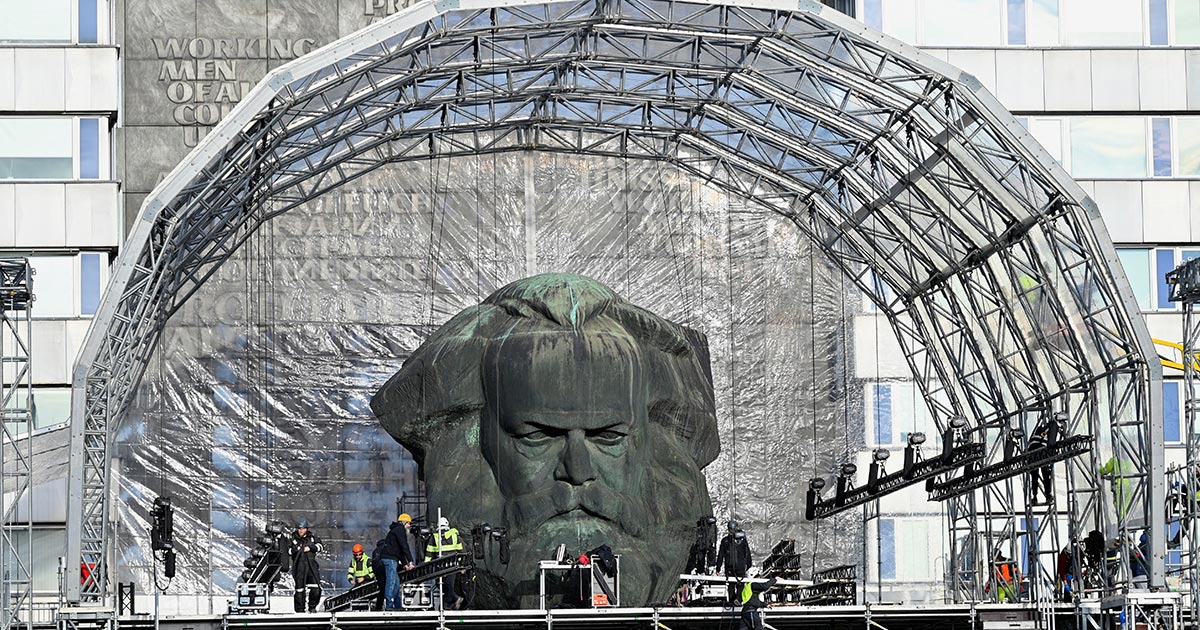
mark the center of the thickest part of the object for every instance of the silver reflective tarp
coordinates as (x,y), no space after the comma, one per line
(254,406)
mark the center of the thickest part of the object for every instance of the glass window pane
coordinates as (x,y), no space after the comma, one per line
(1158,22)
(900,20)
(89,283)
(1187,134)
(1016,22)
(43,21)
(1103,22)
(53,286)
(882,408)
(1161,144)
(1048,133)
(1164,261)
(961,23)
(1187,22)
(36,148)
(1137,268)
(887,549)
(53,406)
(1171,431)
(913,540)
(873,14)
(89,148)
(1108,147)
(1042,28)
(88,22)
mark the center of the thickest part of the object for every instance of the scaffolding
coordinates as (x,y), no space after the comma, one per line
(1185,289)
(16,452)
(991,266)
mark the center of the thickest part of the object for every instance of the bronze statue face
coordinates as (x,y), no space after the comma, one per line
(560,411)
(564,430)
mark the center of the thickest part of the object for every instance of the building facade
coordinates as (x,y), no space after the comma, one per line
(100,98)
(1111,89)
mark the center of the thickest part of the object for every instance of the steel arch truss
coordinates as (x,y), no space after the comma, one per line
(992,267)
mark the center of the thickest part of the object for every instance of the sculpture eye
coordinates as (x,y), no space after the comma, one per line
(538,435)
(610,436)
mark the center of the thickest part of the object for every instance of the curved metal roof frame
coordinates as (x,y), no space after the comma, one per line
(991,264)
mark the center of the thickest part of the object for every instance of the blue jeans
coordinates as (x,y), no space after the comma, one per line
(391,585)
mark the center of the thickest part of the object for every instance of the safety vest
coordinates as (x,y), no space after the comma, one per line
(747,593)
(1005,571)
(360,568)
(443,543)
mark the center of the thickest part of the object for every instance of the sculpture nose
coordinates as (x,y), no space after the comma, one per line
(575,463)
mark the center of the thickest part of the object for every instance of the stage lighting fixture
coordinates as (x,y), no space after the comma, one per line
(882,454)
(1061,417)
(958,422)
(916,439)
(162,524)
(817,483)
(849,468)
(1016,433)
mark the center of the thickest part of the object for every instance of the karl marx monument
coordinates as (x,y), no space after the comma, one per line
(561,411)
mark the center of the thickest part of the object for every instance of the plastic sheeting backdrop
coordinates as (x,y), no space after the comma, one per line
(255,404)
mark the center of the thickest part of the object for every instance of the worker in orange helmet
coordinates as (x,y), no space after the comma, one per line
(360,567)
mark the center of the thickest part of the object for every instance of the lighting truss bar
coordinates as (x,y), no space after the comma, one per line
(913,472)
(343,601)
(15,292)
(1025,462)
(1185,282)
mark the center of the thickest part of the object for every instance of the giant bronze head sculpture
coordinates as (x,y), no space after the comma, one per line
(562,412)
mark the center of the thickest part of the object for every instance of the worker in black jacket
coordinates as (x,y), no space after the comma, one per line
(303,550)
(396,555)
(734,556)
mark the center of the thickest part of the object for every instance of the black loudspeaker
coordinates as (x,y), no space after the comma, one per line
(169,564)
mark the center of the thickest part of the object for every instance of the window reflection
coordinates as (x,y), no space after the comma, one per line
(1105,147)
(44,21)
(1103,22)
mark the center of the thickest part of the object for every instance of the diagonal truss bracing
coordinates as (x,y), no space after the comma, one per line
(992,267)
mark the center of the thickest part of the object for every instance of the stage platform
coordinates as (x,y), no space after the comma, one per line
(891,617)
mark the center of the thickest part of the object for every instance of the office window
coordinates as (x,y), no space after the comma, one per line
(873,14)
(1108,147)
(68,286)
(89,148)
(36,148)
(89,22)
(1172,418)
(914,553)
(1187,137)
(900,19)
(1048,133)
(1160,146)
(1158,23)
(89,283)
(53,406)
(1136,262)
(882,408)
(1042,25)
(963,23)
(1016,22)
(887,549)
(1187,22)
(1164,261)
(1103,22)
(46,21)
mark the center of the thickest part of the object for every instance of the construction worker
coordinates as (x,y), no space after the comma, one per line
(752,618)
(734,556)
(395,553)
(1006,577)
(1115,470)
(1044,434)
(306,573)
(360,567)
(445,541)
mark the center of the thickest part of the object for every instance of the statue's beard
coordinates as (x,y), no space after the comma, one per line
(651,527)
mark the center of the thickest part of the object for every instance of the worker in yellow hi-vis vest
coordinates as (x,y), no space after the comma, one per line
(445,541)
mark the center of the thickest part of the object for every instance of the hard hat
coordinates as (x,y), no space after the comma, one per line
(302,524)
(404,518)
(584,560)
(358,549)
(443,523)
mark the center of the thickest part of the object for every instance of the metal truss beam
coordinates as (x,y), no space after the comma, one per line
(1001,284)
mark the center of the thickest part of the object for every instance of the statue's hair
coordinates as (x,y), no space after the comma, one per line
(439,385)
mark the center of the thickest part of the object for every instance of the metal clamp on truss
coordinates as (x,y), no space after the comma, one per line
(956,452)
(1009,467)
